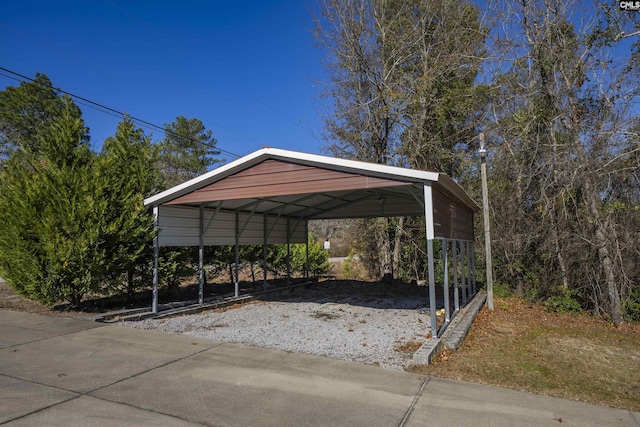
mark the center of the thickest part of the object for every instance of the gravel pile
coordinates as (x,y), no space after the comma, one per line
(360,322)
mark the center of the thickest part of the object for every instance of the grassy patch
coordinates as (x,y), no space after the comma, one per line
(525,347)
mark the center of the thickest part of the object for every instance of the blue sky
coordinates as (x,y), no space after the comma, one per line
(249,70)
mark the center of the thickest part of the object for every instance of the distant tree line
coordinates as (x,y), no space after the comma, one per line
(72,220)
(554,86)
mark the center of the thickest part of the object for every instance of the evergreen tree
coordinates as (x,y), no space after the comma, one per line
(51,216)
(27,111)
(72,221)
(187,151)
(128,169)
(318,257)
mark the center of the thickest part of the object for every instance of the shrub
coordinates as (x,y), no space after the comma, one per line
(632,306)
(501,290)
(565,301)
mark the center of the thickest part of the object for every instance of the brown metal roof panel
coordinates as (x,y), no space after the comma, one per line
(278,178)
(271,166)
(285,156)
(354,182)
(274,172)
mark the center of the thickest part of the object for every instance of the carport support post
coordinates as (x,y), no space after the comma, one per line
(264,253)
(201,258)
(154,295)
(456,291)
(445,274)
(428,220)
(473,266)
(237,252)
(463,279)
(306,254)
(432,290)
(288,256)
(469,269)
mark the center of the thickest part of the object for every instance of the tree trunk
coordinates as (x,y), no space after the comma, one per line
(614,306)
(397,241)
(556,244)
(130,287)
(386,254)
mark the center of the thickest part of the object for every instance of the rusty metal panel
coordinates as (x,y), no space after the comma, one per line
(276,178)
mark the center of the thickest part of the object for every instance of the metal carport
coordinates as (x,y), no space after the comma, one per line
(269,196)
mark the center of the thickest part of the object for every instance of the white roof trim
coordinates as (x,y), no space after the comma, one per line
(166,194)
(353,164)
(309,159)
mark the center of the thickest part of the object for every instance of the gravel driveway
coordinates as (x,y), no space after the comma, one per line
(356,321)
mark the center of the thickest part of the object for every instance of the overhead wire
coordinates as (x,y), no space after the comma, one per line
(108,110)
(66,55)
(188,52)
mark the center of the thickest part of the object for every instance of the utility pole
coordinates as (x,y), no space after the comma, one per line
(485,214)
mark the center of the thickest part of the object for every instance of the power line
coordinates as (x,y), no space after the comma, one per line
(67,55)
(108,110)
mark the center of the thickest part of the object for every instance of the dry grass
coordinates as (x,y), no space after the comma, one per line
(524,347)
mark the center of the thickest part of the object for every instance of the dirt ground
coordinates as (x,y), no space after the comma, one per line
(11,301)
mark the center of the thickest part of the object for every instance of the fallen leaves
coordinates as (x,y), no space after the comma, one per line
(523,346)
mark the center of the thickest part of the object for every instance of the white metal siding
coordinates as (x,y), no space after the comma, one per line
(180,226)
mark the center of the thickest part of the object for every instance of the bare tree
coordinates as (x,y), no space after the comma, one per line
(562,116)
(401,81)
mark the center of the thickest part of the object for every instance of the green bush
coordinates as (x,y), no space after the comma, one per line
(565,301)
(348,270)
(632,306)
(501,290)
(318,257)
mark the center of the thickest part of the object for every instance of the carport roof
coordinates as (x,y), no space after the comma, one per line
(311,186)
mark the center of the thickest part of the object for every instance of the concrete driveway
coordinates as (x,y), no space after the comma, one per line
(65,372)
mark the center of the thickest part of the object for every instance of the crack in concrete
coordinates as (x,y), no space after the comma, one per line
(407,414)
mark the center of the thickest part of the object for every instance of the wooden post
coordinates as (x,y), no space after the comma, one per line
(485,214)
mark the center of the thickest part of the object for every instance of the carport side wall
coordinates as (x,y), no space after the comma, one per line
(451,220)
(180,226)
